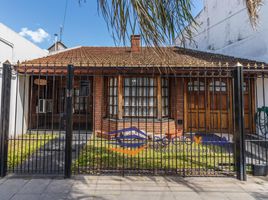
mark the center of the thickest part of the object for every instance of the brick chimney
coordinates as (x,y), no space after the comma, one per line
(135,43)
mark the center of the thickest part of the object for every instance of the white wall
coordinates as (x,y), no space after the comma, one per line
(15,48)
(224,28)
(19,105)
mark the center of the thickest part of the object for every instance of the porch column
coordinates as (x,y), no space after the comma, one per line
(159,97)
(98,102)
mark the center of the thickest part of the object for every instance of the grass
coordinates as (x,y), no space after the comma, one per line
(23,146)
(97,155)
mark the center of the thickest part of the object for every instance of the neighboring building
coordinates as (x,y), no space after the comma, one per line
(225,28)
(122,87)
(57,46)
(14,48)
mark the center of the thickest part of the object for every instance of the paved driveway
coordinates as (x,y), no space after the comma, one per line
(133,187)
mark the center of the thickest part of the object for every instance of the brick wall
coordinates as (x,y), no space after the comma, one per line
(101,123)
(98,102)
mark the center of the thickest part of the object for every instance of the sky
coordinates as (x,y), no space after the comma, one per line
(39,20)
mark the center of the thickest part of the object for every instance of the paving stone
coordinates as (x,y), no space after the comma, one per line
(10,187)
(186,196)
(122,188)
(239,196)
(35,186)
(60,186)
(26,197)
(2,180)
(146,196)
(212,195)
(260,195)
(75,196)
(54,196)
(252,187)
(105,197)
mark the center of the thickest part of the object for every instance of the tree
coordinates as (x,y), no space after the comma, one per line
(158,22)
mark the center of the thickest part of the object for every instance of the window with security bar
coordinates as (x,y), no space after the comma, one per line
(165,97)
(140,97)
(112,97)
(81,97)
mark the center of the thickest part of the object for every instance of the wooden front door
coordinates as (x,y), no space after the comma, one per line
(196,111)
(219,105)
(208,105)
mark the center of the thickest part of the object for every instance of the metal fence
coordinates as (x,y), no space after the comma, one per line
(256,141)
(182,121)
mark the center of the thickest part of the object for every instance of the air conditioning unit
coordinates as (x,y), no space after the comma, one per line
(44,106)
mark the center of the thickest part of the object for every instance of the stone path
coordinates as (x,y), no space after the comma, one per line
(133,187)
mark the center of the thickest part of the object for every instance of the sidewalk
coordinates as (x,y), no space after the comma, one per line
(133,187)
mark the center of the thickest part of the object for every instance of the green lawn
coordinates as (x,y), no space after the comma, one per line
(97,155)
(21,147)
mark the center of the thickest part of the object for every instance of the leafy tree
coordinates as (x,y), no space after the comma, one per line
(159,22)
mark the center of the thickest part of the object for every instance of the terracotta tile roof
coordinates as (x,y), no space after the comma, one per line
(147,57)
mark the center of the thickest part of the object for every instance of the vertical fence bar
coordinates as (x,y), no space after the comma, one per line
(4,123)
(69,121)
(239,134)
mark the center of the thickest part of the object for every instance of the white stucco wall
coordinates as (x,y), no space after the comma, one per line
(225,28)
(15,48)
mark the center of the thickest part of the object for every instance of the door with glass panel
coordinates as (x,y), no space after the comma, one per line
(196,110)
(83,104)
(208,105)
(219,105)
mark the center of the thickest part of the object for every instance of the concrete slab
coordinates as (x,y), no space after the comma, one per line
(212,195)
(35,186)
(26,197)
(2,180)
(239,196)
(147,196)
(10,187)
(53,196)
(186,196)
(59,186)
(133,187)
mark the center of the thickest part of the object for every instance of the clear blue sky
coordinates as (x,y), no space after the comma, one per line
(83,25)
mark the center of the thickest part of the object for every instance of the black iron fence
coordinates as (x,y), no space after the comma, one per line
(182,121)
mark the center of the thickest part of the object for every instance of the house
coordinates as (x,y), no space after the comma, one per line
(57,46)
(14,48)
(121,87)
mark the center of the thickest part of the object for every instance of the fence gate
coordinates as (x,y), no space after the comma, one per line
(186,122)
(37,124)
